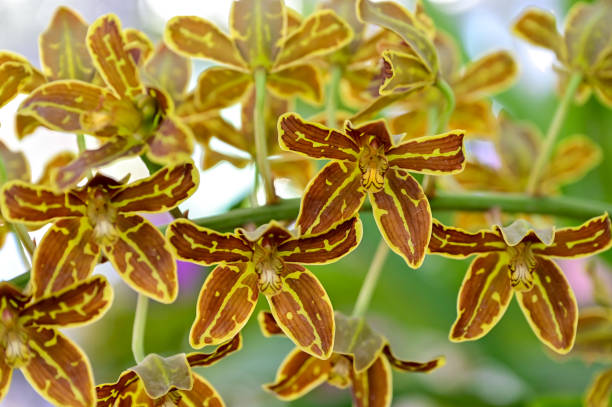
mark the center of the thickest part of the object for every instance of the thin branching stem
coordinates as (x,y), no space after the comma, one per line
(371,279)
(82,145)
(138,331)
(261,142)
(553,132)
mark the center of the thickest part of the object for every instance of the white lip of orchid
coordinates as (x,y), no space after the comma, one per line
(340,373)
(102,216)
(14,340)
(522,263)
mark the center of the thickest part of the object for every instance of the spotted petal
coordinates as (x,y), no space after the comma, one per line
(169,71)
(59,371)
(143,258)
(5,378)
(220,87)
(304,312)
(159,192)
(539,27)
(66,105)
(488,75)
(298,374)
(298,80)
(407,366)
(600,390)
(334,195)
(106,44)
(404,73)
(314,140)
(63,53)
(403,216)
(589,238)
(201,394)
(268,324)
(172,143)
(325,247)
(207,359)
(13,77)
(66,254)
(373,387)
(454,242)
(129,391)
(205,246)
(440,154)
(483,298)
(226,302)
(550,307)
(36,78)
(195,37)
(320,33)
(75,305)
(37,205)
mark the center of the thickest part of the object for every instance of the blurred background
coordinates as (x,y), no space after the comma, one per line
(413,309)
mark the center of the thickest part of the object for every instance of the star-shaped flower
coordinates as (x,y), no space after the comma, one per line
(516,260)
(268,261)
(364,161)
(31,341)
(100,217)
(362,359)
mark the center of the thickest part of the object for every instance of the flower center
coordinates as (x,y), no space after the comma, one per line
(373,165)
(14,340)
(172,399)
(522,263)
(102,216)
(340,374)
(269,267)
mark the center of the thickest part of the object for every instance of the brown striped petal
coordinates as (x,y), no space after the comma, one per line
(550,307)
(404,73)
(481,177)
(172,143)
(539,27)
(486,76)
(320,33)
(63,54)
(108,152)
(373,387)
(36,78)
(142,256)
(407,366)
(394,17)
(220,87)
(127,391)
(25,125)
(195,37)
(37,205)
(5,378)
(106,44)
(201,394)
(59,371)
(207,359)
(413,124)
(303,310)
(138,45)
(440,154)
(589,238)
(598,394)
(324,248)
(369,132)
(334,195)
(298,80)
(159,192)
(314,140)
(75,305)
(268,325)
(66,254)
(13,76)
(587,33)
(483,298)
(475,118)
(59,160)
(169,71)
(258,27)
(226,302)
(15,163)
(298,374)
(594,332)
(454,242)
(204,246)
(403,216)
(67,105)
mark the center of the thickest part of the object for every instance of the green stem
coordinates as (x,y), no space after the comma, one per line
(449,96)
(369,283)
(553,132)
(140,320)
(332,97)
(21,250)
(287,209)
(261,142)
(82,145)
(25,238)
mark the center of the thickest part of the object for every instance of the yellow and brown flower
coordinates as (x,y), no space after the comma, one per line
(362,359)
(584,46)
(364,161)
(516,260)
(166,382)
(100,217)
(126,116)
(268,261)
(30,340)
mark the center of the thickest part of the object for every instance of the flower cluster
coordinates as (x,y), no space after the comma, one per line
(114,85)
